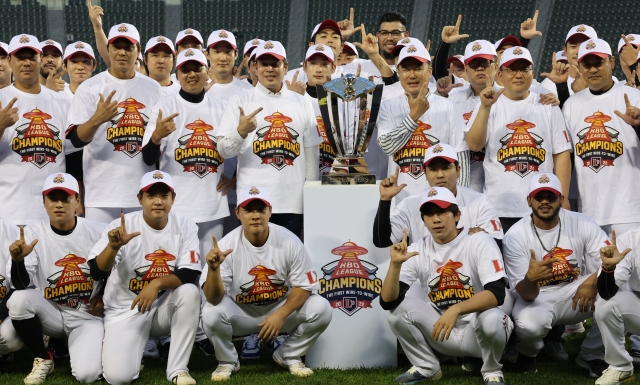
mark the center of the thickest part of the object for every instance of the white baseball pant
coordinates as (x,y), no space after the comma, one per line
(617,316)
(84,331)
(107,214)
(535,319)
(228,319)
(484,335)
(124,340)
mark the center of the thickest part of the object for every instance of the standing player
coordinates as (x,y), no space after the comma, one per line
(55,291)
(222,54)
(51,69)
(32,145)
(159,57)
(249,47)
(151,287)
(411,123)
(281,296)
(276,140)
(348,55)
(464,280)
(501,124)
(108,117)
(79,62)
(5,68)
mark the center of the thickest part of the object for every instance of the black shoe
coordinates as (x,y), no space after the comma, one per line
(472,364)
(526,364)
(164,350)
(59,349)
(596,367)
(206,347)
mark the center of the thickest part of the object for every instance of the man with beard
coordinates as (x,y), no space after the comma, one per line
(5,69)
(51,69)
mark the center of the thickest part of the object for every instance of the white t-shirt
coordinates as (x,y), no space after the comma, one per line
(67,93)
(578,248)
(273,155)
(442,123)
(30,150)
(190,156)
(262,277)
(607,154)
(453,272)
(170,90)
(513,153)
(476,210)
(112,162)
(9,233)
(153,254)
(548,84)
(628,270)
(58,267)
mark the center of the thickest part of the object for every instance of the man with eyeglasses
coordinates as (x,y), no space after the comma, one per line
(521,137)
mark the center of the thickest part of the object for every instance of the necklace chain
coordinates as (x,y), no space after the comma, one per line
(535,230)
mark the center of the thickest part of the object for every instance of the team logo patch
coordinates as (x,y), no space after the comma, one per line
(411,156)
(197,152)
(223,34)
(581,28)
(432,192)
(476,47)
(598,144)
(24,39)
(277,144)
(127,129)
(37,142)
(58,179)
(49,42)
(590,45)
(157,175)
(161,39)
(189,53)
(411,48)
(350,283)
(263,290)
(327,155)
(254,190)
(517,51)
(158,269)
(188,31)
(79,45)
(544,179)
(123,28)
(450,287)
(3,288)
(631,38)
(564,271)
(255,41)
(521,151)
(72,286)
(268,45)
(437,149)
(406,40)
(320,48)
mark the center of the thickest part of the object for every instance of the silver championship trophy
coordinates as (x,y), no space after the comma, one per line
(349,107)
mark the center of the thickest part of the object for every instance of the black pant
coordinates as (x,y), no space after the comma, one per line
(292,222)
(507,222)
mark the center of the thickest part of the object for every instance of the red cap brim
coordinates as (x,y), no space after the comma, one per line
(534,192)
(450,160)
(598,54)
(577,34)
(79,52)
(158,45)
(279,57)
(132,40)
(418,58)
(37,50)
(67,190)
(187,61)
(187,37)
(146,188)
(439,203)
(349,50)
(480,55)
(510,40)
(329,23)
(246,202)
(319,54)
(508,63)
(221,41)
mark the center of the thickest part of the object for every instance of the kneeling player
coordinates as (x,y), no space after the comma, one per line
(464,278)
(151,287)
(260,279)
(54,290)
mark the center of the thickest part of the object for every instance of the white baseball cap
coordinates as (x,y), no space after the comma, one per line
(153,177)
(440,196)
(349,47)
(560,56)
(4,47)
(78,46)
(329,23)
(405,41)
(19,42)
(124,30)
(159,40)
(190,54)
(249,194)
(440,150)
(416,51)
(544,181)
(251,45)
(52,43)
(633,39)
(596,47)
(479,48)
(221,35)
(271,47)
(61,181)
(510,55)
(510,40)
(320,49)
(583,30)
(189,32)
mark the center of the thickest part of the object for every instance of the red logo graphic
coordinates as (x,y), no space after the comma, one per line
(159,267)
(72,286)
(37,142)
(411,156)
(126,136)
(521,151)
(564,271)
(277,144)
(450,287)
(197,152)
(263,290)
(598,144)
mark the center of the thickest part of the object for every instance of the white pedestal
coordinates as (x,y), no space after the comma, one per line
(338,226)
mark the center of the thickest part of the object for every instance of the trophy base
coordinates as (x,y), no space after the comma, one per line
(349,170)
(344,179)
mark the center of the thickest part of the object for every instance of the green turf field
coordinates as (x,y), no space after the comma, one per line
(266,372)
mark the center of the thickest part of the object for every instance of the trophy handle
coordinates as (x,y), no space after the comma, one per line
(331,127)
(373,104)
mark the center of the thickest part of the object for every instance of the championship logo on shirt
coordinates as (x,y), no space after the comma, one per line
(350,283)
(450,287)
(128,129)
(411,156)
(262,290)
(197,152)
(521,151)
(326,151)
(72,286)
(277,144)
(158,269)
(3,288)
(476,156)
(565,271)
(37,142)
(598,144)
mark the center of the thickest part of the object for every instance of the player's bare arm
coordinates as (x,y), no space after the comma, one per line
(118,237)
(528,287)
(213,287)
(447,321)
(149,294)
(95,15)
(20,248)
(477,136)
(105,111)
(273,324)
(399,255)
(562,169)
(370,46)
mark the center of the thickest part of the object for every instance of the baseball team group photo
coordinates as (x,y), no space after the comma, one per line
(319,192)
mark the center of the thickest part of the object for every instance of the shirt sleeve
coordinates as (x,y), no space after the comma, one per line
(151,128)
(566,113)
(400,218)
(392,136)
(229,140)
(596,238)
(490,264)
(488,218)
(626,267)
(31,261)
(560,135)
(311,134)
(516,260)
(189,254)
(83,106)
(301,271)
(104,241)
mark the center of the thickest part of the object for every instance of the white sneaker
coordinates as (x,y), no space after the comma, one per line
(151,350)
(41,369)
(298,368)
(570,330)
(611,376)
(224,372)
(183,378)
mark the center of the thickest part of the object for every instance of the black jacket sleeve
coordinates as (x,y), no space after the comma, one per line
(187,275)
(75,140)
(382,225)
(440,61)
(151,153)
(607,287)
(74,164)
(4,310)
(563,93)
(394,304)
(19,275)
(391,80)
(95,271)
(525,42)
(498,289)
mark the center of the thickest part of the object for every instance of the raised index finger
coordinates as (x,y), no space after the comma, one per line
(459,21)
(11,103)
(110,96)
(535,17)
(404,236)
(626,41)
(613,238)
(170,117)
(256,112)
(295,76)
(122,223)
(363,31)
(351,15)
(22,233)
(215,243)
(626,101)
(395,176)
(89,3)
